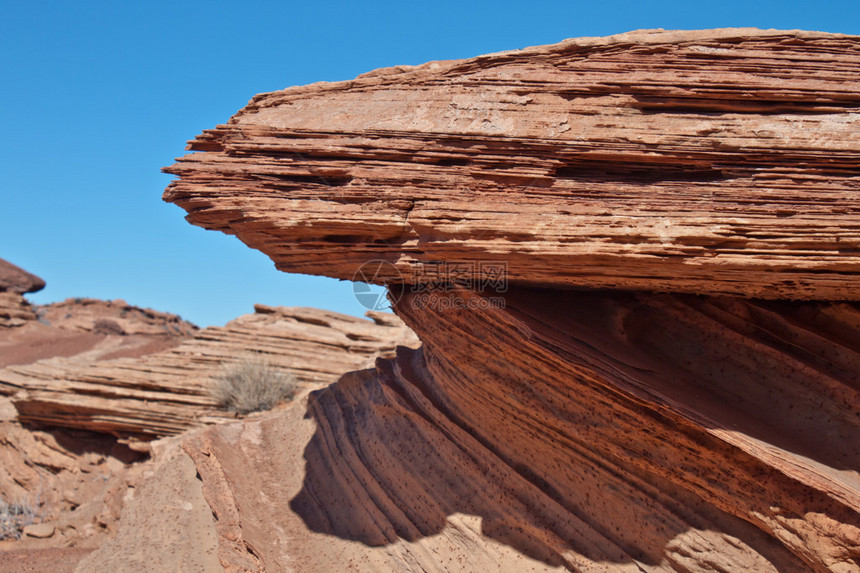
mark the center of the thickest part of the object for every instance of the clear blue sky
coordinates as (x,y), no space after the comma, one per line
(97,96)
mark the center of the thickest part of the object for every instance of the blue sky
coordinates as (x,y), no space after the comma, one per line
(98,96)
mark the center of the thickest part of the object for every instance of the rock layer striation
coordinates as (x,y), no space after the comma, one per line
(15,310)
(167,392)
(720,162)
(594,432)
(550,428)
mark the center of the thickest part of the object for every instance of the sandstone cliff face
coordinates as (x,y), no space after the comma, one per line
(722,162)
(167,392)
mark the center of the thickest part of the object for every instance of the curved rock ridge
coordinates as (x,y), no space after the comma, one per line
(718,162)
(84,329)
(167,392)
(17,280)
(112,317)
(590,432)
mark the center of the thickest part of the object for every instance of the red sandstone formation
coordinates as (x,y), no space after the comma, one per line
(84,329)
(15,310)
(588,430)
(75,483)
(537,428)
(14,282)
(721,162)
(64,465)
(112,317)
(592,431)
(168,392)
(17,280)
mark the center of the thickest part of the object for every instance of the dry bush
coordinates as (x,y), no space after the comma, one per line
(14,517)
(251,384)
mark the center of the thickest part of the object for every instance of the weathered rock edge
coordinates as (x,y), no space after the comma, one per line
(719,161)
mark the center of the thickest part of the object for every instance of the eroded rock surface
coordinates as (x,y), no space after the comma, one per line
(166,392)
(551,428)
(720,161)
(593,432)
(17,280)
(15,310)
(72,483)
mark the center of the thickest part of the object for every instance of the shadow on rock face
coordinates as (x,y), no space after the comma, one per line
(558,470)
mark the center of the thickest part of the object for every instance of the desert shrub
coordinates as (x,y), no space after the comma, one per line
(14,517)
(251,384)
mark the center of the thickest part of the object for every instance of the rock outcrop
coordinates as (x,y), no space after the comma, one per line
(85,330)
(15,310)
(549,428)
(84,372)
(595,432)
(73,484)
(718,162)
(168,392)
(112,317)
(17,280)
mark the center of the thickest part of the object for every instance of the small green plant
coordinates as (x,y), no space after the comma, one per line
(251,384)
(14,517)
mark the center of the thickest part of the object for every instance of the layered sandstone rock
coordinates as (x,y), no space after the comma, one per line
(594,431)
(548,428)
(15,310)
(722,162)
(167,392)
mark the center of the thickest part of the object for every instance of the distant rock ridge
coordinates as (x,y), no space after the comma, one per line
(165,393)
(112,317)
